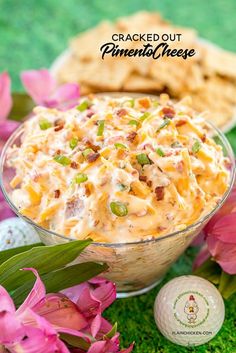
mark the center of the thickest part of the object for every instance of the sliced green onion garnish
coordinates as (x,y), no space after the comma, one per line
(86,152)
(120,146)
(101,125)
(165,123)
(155,104)
(133,122)
(44,124)
(63,160)
(73,142)
(144,116)
(143,159)
(196,146)
(81,178)
(83,106)
(119,209)
(131,101)
(160,152)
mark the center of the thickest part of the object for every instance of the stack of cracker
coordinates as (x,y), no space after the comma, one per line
(209,77)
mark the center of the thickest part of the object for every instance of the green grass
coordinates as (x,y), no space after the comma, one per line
(34,32)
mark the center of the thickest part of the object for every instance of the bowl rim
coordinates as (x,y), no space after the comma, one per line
(202,220)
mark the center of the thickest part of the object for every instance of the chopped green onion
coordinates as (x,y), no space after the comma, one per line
(165,123)
(155,104)
(120,146)
(101,125)
(176,144)
(83,106)
(144,116)
(133,122)
(63,160)
(160,152)
(196,146)
(81,178)
(86,152)
(44,124)
(122,187)
(119,209)
(131,101)
(143,159)
(73,142)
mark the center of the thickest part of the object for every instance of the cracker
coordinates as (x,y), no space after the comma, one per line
(220,61)
(137,83)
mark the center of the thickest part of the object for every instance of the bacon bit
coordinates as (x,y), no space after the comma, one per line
(90,113)
(89,144)
(121,112)
(180,123)
(228,164)
(203,138)
(58,152)
(148,145)
(159,191)
(168,112)
(59,122)
(92,157)
(145,102)
(149,183)
(131,136)
(74,165)
(180,166)
(59,127)
(143,178)
(57,193)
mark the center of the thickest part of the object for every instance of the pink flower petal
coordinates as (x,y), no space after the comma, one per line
(128,350)
(5,211)
(224,228)
(105,293)
(39,84)
(223,253)
(67,95)
(60,311)
(202,256)
(37,293)
(11,329)
(98,347)
(95,325)
(7,127)
(6,303)
(88,304)
(5,95)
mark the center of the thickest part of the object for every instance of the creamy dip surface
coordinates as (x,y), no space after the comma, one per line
(117,169)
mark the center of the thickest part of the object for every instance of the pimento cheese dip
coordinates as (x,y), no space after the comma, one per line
(117,170)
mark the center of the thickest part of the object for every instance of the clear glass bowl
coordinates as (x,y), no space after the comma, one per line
(135,267)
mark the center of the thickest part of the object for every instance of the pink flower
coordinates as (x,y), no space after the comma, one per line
(35,325)
(42,87)
(220,236)
(5,96)
(6,129)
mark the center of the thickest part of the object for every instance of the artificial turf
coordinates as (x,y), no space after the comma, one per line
(34,32)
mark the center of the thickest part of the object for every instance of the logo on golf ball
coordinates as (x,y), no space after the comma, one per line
(191,309)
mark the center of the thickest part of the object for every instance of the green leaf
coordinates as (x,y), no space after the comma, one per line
(43,258)
(75,341)
(22,106)
(7,254)
(112,332)
(57,280)
(227,285)
(209,270)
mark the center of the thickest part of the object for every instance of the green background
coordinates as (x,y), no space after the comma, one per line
(33,33)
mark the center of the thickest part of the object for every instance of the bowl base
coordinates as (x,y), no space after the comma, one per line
(138,292)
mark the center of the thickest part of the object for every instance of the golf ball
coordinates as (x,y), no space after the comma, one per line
(189,311)
(16,232)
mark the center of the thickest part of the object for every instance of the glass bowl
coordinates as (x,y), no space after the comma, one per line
(135,267)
